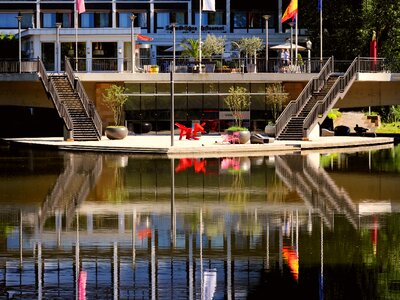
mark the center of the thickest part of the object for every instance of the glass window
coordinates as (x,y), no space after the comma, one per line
(239,20)
(178,17)
(48,56)
(124,20)
(49,20)
(142,20)
(216,18)
(9,20)
(162,19)
(102,20)
(255,20)
(87,20)
(204,18)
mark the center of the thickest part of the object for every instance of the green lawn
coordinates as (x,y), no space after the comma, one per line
(389,128)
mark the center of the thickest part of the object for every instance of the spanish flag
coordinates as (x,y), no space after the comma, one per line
(290,12)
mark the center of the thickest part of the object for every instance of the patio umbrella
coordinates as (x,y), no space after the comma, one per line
(287,46)
(177,48)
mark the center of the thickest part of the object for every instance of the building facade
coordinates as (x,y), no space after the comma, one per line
(53,30)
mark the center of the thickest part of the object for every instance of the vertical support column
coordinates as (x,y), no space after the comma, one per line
(38,15)
(114,14)
(152,22)
(120,56)
(228,16)
(89,56)
(279,16)
(189,22)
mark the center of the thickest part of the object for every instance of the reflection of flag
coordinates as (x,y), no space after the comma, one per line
(209,5)
(141,37)
(292,259)
(81,6)
(319,5)
(291,11)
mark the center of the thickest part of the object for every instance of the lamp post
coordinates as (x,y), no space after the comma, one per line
(133,17)
(173,25)
(172,125)
(266,18)
(291,24)
(19,18)
(309,45)
(58,57)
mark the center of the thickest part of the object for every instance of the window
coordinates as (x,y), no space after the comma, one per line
(163,19)
(178,17)
(49,20)
(216,18)
(10,20)
(95,20)
(239,20)
(124,20)
(204,18)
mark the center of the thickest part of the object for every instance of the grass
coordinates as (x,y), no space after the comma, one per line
(389,128)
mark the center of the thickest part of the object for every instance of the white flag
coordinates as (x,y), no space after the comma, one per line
(209,5)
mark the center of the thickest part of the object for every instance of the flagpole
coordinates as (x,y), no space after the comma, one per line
(199,36)
(76,35)
(321,33)
(296,35)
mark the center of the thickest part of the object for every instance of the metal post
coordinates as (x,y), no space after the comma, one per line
(309,45)
(291,42)
(133,17)
(266,17)
(19,18)
(173,46)
(58,57)
(172,108)
(199,36)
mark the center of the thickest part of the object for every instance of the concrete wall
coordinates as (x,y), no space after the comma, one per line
(24,93)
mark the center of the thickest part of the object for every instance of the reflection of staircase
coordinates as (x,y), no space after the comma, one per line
(316,188)
(69,98)
(72,186)
(315,101)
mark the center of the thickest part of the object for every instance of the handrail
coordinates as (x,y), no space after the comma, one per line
(49,86)
(322,107)
(315,83)
(87,104)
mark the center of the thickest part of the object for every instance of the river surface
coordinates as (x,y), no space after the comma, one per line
(104,226)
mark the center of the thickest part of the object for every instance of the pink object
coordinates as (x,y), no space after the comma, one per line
(233,138)
(82,285)
(81,6)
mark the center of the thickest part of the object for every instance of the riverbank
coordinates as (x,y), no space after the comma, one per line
(205,146)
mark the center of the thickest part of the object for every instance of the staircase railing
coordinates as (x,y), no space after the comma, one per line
(322,107)
(87,104)
(49,86)
(293,107)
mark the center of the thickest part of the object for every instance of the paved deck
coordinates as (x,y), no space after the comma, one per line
(206,146)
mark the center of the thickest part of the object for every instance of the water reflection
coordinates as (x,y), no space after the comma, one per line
(126,227)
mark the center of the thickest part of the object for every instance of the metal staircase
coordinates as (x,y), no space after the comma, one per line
(315,101)
(81,120)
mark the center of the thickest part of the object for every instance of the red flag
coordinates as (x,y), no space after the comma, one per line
(81,6)
(141,37)
(290,12)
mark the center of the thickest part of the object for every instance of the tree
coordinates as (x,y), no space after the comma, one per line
(190,48)
(276,96)
(114,98)
(213,45)
(250,45)
(237,101)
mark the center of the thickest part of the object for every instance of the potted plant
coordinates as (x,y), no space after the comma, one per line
(238,101)
(250,46)
(212,46)
(114,98)
(191,51)
(275,97)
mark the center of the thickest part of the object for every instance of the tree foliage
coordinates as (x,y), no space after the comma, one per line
(213,45)
(114,98)
(276,97)
(237,101)
(190,48)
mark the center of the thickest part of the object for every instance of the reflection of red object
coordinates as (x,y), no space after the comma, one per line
(82,285)
(189,132)
(144,233)
(374,235)
(373,51)
(292,259)
(184,163)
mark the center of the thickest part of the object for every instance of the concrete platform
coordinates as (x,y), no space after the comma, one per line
(206,146)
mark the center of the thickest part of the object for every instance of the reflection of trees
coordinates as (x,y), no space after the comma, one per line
(115,168)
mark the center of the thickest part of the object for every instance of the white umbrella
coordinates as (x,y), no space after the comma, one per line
(287,46)
(177,48)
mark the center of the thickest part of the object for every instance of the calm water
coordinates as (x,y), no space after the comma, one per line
(299,226)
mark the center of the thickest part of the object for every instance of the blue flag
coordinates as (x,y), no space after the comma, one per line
(319,5)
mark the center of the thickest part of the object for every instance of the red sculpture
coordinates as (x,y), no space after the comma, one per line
(189,132)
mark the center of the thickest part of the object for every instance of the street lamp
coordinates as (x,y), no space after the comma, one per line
(266,18)
(19,18)
(58,57)
(173,25)
(133,17)
(291,24)
(309,45)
